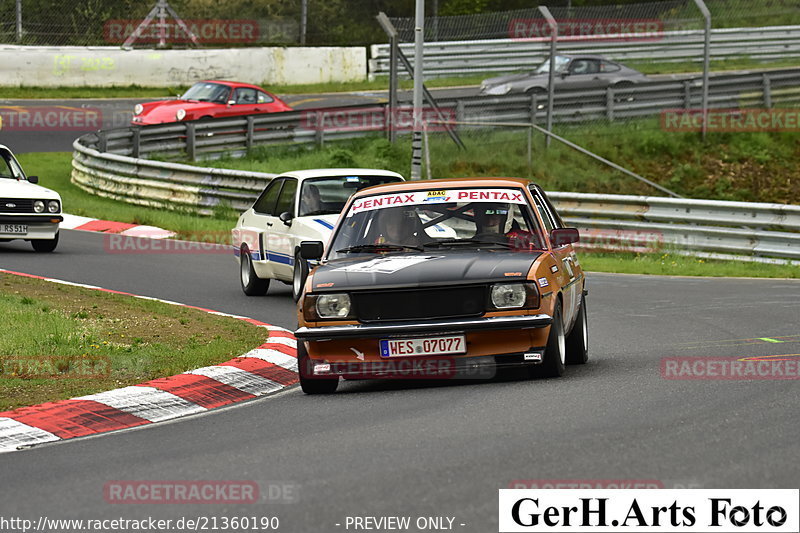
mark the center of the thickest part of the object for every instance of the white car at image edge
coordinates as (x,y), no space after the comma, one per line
(27,211)
(295,206)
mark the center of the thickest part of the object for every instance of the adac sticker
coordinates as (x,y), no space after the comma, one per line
(543,282)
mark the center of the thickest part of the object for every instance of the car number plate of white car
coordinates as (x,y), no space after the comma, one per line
(17,229)
(443,345)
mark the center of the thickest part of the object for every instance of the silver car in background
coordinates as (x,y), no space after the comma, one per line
(572,72)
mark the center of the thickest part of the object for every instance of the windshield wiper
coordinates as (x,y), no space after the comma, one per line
(388,247)
(449,242)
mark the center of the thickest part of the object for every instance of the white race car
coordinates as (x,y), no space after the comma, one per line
(296,206)
(27,211)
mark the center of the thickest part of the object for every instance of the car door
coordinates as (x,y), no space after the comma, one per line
(281,240)
(260,221)
(584,73)
(564,256)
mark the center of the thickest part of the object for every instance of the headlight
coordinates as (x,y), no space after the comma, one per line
(53,206)
(38,206)
(333,305)
(137,109)
(180,114)
(498,89)
(514,295)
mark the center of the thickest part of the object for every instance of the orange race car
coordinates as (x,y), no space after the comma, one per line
(442,278)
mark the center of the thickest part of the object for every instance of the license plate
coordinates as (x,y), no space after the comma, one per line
(445,345)
(14,228)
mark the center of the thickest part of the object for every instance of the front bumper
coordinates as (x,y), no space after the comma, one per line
(39,227)
(389,329)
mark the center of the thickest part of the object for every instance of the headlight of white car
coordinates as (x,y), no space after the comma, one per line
(498,89)
(137,109)
(180,114)
(53,206)
(38,206)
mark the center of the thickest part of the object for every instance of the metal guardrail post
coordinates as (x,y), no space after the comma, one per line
(136,145)
(191,142)
(706,61)
(391,31)
(534,108)
(687,94)
(319,134)
(610,103)
(102,141)
(251,129)
(551,21)
(767,88)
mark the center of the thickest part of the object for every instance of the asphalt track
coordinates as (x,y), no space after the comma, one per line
(441,449)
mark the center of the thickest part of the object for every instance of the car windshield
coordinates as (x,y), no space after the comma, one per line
(9,168)
(561,65)
(207,92)
(327,196)
(489,218)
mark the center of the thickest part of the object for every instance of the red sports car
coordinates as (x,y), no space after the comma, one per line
(209,99)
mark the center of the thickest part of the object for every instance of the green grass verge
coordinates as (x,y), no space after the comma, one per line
(670,264)
(54,168)
(52,333)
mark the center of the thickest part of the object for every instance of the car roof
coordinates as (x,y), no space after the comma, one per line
(584,56)
(334,172)
(233,84)
(449,182)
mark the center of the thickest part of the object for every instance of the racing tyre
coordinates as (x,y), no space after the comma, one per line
(554,354)
(299,276)
(252,285)
(312,385)
(45,245)
(578,338)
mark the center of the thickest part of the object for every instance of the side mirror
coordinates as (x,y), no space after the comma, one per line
(564,236)
(311,250)
(33,179)
(564,75)
(231,102)
(286,217)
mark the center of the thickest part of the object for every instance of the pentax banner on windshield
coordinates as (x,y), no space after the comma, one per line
(437,196)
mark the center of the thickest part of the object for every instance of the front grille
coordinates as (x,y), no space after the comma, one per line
(410,304)
(20,205)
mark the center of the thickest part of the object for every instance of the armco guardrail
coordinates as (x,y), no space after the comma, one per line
(758,231)
(163,184)
(235,136)
(509,55)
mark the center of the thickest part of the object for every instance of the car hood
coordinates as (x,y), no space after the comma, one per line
(166,109)
(12,188)
(434,268)
(500,80)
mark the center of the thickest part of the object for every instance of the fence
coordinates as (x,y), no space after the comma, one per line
(764,232)
(456,58)
(235,136)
